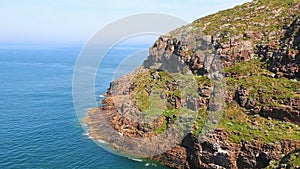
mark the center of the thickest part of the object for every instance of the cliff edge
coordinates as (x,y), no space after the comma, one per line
(257,45)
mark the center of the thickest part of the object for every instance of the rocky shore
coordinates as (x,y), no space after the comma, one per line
(154,113)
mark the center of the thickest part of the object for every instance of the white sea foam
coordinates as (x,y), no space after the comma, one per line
(102,141)
(148,164)
(136,159)
(101,95)
(87,134)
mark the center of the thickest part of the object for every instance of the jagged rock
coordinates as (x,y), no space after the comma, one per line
(284,113)
(285,59)
(197,49)
(206,91)
(241,97)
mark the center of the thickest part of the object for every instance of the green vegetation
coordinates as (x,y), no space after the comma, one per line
(200,121)
(252,75)
(156,105)
(253,127)
(294,159)
(171,115)
(140,93)
(291,160)
(263,16)
(203,81)
(265,90)
(244,127)
(156,92)
(252,67)
(149,85)
(261,84)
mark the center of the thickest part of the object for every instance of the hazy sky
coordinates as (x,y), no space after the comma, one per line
(74,21)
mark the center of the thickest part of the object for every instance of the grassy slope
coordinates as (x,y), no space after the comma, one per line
(262,16)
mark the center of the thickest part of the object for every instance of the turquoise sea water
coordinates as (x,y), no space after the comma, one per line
(38,125)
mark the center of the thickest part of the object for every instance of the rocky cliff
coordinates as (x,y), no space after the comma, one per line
(254,48)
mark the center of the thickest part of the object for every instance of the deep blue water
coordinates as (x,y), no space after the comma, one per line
(38,125)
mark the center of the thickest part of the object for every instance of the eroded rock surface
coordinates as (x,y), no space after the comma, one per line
(258,44)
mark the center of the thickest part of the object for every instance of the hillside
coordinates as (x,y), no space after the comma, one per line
(221,92)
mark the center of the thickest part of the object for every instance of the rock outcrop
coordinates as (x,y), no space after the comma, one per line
(285,59)
(258,46)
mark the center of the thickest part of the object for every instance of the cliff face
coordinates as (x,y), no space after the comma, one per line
(285,60)
(258,47)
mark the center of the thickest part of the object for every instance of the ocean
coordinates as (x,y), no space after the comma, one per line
(38,124)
